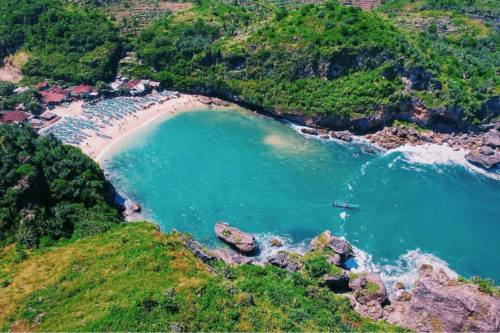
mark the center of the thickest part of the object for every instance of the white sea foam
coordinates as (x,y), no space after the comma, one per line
(343,215)
(287,244)
(436,155)
(404,270)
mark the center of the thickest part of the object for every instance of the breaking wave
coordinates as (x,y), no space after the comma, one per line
(404,270)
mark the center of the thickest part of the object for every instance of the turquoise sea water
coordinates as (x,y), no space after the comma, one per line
(415,205)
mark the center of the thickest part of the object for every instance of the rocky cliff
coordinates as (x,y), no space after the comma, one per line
(436,303)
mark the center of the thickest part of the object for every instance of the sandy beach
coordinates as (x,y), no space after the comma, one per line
(97,147)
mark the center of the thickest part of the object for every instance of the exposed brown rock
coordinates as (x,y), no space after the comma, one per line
(242,241)
(441,304)
(399,285)
(275,242)
(424,267)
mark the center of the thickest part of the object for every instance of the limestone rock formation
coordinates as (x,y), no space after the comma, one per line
(342,135)
(338,245)
(492,138)
(367,287)
(198,250)
(439,303)
(136,208)
(243,242)
(284,261)
(310,131)
(485,158)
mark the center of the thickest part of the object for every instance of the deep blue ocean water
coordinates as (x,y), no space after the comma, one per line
(416,205)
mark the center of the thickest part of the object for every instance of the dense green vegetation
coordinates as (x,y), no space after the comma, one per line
(321,59)
(66,42)
(8,100)
(325,58)
(48,190)
(315,59)
(134,278)
(462,54)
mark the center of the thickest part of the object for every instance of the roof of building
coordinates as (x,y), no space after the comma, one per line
(47,115)
(131,84)
(115,85)
(64,92)
(16,116)
(54,89)
(139,88)
(43,84)
(154,84)
(82,89)
(36,122)
(145,81)
(4,112)
(20,90)
(53,97)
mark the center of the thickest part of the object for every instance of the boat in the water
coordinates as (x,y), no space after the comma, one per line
(342,204)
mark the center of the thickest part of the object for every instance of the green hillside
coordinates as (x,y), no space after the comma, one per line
(327,58)
(66,42)
(134,278)
(49,190)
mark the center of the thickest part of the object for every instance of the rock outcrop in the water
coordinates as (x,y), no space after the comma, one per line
(241,241)
(484,158)
(284,260)
(442,304)
(136,208)
(342,248)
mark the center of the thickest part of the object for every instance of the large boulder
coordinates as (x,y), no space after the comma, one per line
(341,135)
(243,242)
(483,160)
(492,138)
(284,260)
(338,245)
(311,131)
(367,287)
(442,304)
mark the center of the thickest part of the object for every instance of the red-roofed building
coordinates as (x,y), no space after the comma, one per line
(43,86)
(54,98)
(131,84)
(54,89)
(81,89)
(15,117)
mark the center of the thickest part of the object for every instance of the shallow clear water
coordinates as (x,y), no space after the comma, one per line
(263,177)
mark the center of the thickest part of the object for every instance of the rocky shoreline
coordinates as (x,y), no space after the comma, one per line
(435,303)
(481,149)
(435,125)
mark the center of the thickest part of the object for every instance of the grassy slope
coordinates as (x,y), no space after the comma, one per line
(121,280)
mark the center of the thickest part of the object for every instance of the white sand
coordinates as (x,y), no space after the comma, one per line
(97,147)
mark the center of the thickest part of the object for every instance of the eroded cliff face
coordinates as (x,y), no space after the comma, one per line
(444,119)
(441,304)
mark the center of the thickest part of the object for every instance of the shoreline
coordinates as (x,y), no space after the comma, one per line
(98,148)
(116,131)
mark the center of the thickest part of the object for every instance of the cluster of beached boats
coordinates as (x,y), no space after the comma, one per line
(99,114)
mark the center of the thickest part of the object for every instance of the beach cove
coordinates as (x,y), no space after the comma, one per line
(415,206)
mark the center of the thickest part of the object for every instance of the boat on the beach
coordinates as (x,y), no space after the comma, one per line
(342,204)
